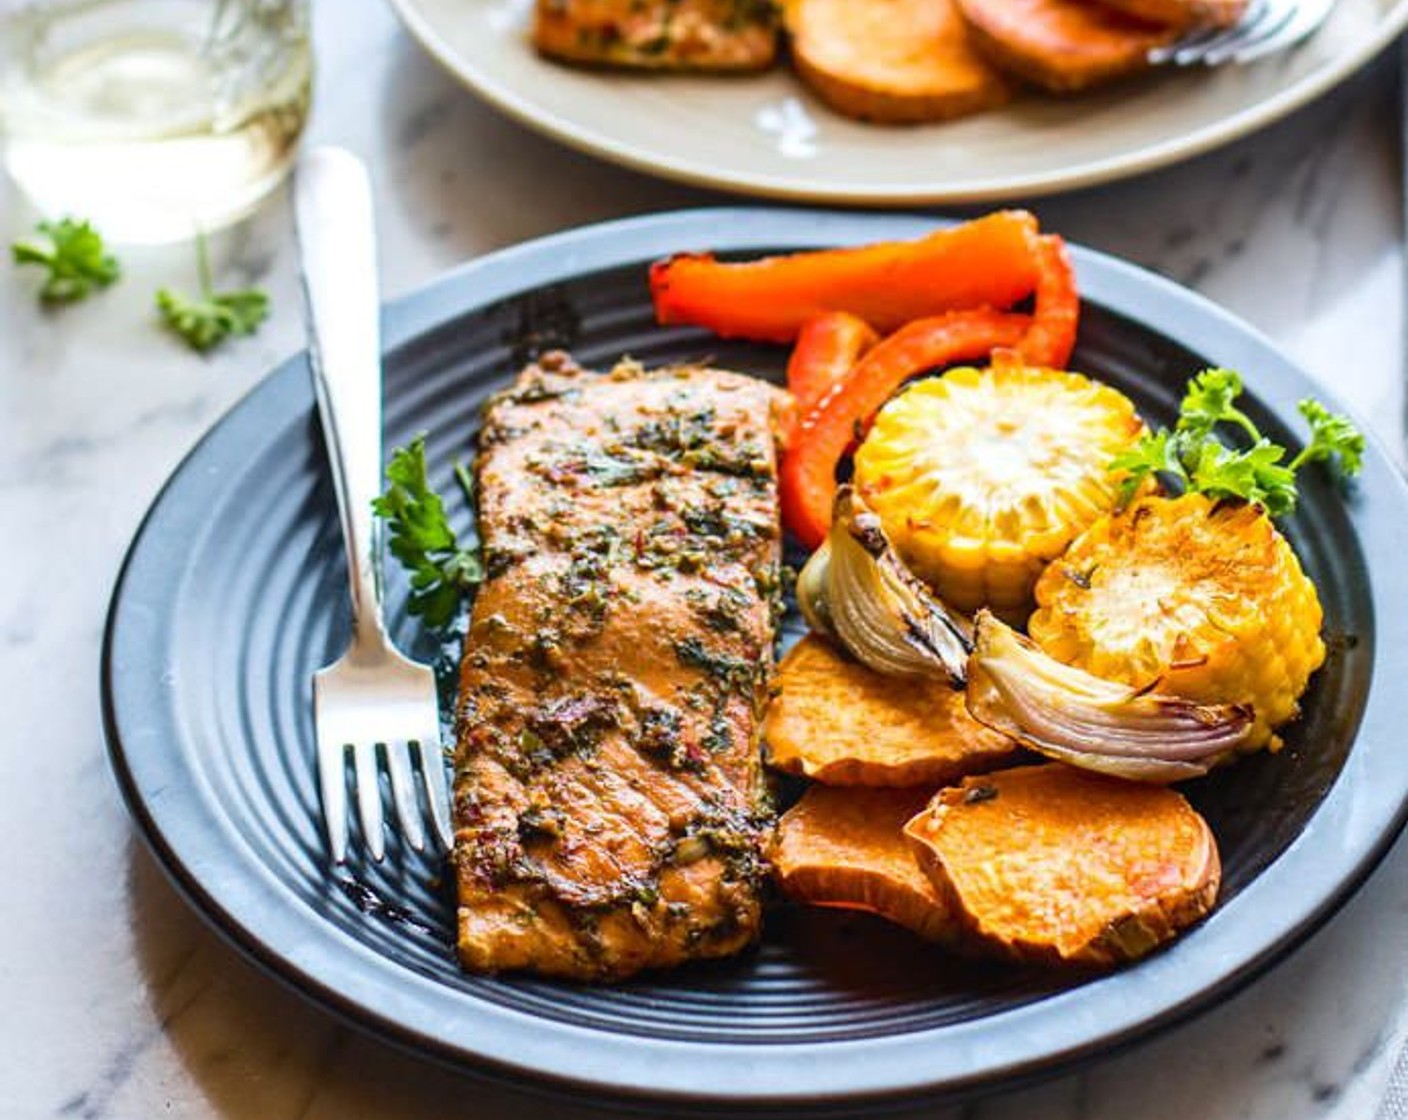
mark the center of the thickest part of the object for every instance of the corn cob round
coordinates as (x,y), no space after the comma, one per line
(982,476)
(1192,597)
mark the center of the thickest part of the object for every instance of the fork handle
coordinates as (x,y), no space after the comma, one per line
(337,245)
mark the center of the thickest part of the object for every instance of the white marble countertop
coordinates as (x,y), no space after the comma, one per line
(120,1003)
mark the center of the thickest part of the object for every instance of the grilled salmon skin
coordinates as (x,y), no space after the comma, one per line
(659,34)
(610,809)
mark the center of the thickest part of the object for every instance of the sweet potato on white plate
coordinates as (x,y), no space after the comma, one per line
(892,61)
(1185,15)
(1062,45)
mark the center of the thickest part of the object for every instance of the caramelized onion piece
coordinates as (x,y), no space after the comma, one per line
(1074,717)
(856,589)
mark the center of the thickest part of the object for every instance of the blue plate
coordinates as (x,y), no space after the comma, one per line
(233,593)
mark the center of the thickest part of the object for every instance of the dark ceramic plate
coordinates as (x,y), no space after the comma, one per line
(233,594)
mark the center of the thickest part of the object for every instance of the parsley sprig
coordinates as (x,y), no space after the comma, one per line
(75,255)
(211,317)
(1194,459)
(442,572)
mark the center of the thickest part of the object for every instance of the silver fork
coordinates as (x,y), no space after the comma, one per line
(1266,27)
(372,703)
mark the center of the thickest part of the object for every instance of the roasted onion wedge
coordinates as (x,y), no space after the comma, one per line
(856,589)
(1074,717)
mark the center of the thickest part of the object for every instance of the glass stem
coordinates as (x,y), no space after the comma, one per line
(207,287)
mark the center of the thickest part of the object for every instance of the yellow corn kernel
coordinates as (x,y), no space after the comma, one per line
(1191,597)
(982,476)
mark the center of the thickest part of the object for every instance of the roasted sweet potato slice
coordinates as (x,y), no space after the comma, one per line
(843,724)
(1062,45)
(847,848)
(1186,15)
(892,61)
(1057,865)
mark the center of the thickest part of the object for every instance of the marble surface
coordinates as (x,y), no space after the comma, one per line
(119,1002)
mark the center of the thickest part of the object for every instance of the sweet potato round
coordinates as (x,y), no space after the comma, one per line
(841,723)
(892,61)
(1062,45)
(1185,15)
(1056,865)
(846,848)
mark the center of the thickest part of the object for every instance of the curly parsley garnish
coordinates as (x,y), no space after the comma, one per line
(443,574)
(75,255)
(211,317)
(1194,459)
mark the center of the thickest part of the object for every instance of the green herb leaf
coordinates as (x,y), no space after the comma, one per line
(1255,475)
(1333,438)
(1208,402)
(208,320)
(1155,454)
(1192,459)
(442,573)
(74,253)
(211,317)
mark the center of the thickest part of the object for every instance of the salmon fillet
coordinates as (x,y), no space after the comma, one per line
(610,808)
(659,34)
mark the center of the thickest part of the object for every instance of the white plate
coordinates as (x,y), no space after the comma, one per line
(766,135)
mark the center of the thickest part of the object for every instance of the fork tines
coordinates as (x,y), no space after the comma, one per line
(1266,27)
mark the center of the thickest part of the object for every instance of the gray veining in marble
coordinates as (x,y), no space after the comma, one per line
(119,1003)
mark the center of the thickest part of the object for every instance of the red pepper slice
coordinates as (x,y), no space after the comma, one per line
(827,348)
(807,479)
(987,262)
(1056,313)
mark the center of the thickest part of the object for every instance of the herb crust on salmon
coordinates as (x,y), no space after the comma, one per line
(610,807)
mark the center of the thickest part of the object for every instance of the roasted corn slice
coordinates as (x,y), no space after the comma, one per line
(1193,597)
(982,476)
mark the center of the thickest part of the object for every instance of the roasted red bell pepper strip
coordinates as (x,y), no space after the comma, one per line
(827,348)
(807,478)
(988,262)
(1056,313)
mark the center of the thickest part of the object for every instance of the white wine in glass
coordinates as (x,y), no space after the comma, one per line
(154,119)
